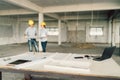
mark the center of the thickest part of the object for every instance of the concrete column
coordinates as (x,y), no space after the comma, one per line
(109,32)
(39,21)
(113,33)
(17,31)
(59,28)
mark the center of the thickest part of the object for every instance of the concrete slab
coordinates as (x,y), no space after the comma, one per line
(62,63)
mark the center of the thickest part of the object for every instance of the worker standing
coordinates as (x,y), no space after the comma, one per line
(30,34)
(43,36)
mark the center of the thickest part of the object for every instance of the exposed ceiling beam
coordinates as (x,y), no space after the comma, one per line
(23,11)
(53,15)
(82,7)
(84,17)
(16,12)
(113,13)
(26,4)
(34,18)
(29,5)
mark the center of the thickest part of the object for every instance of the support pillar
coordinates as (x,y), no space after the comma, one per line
(113,34)
(109,32)
(40,19)
(17,38)
(59,28)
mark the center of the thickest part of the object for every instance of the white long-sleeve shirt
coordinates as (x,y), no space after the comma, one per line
(43,34)
(31,32)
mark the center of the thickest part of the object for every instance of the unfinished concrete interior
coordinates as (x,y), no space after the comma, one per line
(75,26)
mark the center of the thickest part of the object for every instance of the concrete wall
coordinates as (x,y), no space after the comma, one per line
(23,25)
(117,31)
(52,24)
(77,31)
(97,39)
(54,38)
(7,30)
(12,30)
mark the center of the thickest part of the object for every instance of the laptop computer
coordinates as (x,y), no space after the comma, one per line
(107,53)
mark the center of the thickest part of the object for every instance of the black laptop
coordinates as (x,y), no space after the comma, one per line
(107,53)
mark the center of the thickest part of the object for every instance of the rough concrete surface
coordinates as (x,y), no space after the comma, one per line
(14,49)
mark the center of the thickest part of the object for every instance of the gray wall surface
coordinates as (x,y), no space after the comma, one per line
(12,30)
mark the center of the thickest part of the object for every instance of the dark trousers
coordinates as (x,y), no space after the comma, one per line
(44,44)
(31,43)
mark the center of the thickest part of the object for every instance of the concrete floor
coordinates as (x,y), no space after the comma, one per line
(14,49)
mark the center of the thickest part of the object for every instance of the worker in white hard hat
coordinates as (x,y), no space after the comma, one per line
(30,34)
(43,36)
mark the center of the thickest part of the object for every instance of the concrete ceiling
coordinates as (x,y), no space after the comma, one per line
(50,3)
(8,6)
(58,8)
